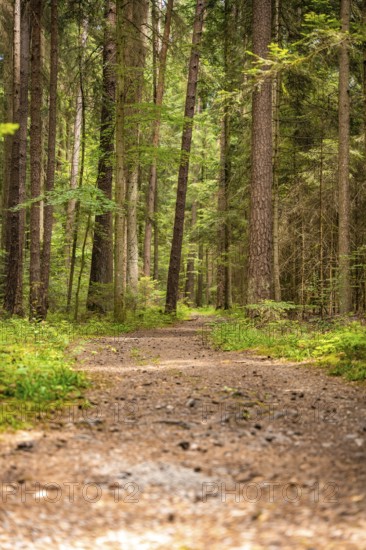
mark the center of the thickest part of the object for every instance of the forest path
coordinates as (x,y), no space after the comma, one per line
(186,447)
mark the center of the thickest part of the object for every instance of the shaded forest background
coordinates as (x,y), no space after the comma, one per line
(260,118)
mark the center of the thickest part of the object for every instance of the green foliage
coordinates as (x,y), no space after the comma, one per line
(34,369)
(340,348)
(269,310)
(8,129)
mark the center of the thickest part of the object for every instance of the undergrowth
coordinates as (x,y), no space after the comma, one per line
(337,344)
(36,370)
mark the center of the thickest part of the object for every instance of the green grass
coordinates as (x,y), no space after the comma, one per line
(36,369)
(339,347)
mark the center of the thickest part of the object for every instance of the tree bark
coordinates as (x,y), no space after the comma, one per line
(176,250)
(135,53)
(343,167)
(152,190)
(35,159)
(101,272)
(276,158)
(14,254)
(51,161)
(260,264)
(120,186)
(190,274)
(75,158)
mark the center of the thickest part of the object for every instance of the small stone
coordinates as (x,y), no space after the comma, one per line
(25,446)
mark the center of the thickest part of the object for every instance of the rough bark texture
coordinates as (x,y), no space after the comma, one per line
(152,190)
(260,224)
(6,24)
(223,241)
(276,139)
(35,159)
(51,161)
(13,272)
(135,52)
(176,250)
(343,167)
(15,221)
(120,187)
(223,269)
(75,158)
(101,272)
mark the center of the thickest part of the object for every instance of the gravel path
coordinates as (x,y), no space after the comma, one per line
(186,447)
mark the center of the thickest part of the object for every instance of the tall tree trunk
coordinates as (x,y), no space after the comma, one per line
(276,158)
(260,223)
(152,190)
(15,221)
(223,270)
(75,158)
(35,159)
(6,37)
(120,186)
(51,161)
(222,298)
(101,272)
(176,250)
(135,52)
(343,167)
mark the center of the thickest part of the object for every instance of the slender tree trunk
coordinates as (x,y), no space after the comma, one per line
(156,236)
(15,221)
(190,274)
(343,167)
(222,237)
(260,265)
(152,190)
(75,158)
(101,272)
(51,161)
(199,296)
(35,159)
(77,213)
(276,159)
(120,187)
(135,52)
(176,250)
(82,267)
(6,36)
(223,298)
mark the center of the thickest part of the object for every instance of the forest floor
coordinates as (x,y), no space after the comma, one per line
(186,447)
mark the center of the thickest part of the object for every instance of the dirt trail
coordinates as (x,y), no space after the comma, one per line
(186,447)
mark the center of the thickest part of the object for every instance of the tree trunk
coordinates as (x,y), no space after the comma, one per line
(152,190)
(260,223)
(199,296)
(6,37)
(15,221)
(35,159)
(222,295)
(51,161)
(276,159)
(343,167)
(75,159)
(190,274)
(120,186)
(101,272)
(135,52)
(176,250)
